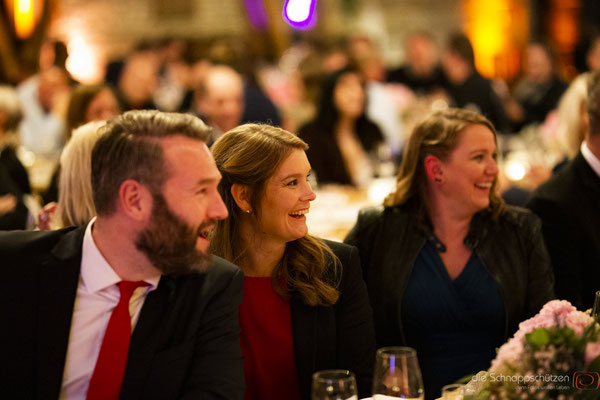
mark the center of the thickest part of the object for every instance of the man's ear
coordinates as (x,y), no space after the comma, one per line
(135,200)
(433,168)
(241,196)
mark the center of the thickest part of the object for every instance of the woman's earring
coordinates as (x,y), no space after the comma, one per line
(248,211)
(438,179)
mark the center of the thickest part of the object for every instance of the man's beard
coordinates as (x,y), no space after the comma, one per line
(170,243)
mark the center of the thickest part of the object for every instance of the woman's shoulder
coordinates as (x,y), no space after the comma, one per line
(518,216)
(341,250)
(374,215)
(517,219)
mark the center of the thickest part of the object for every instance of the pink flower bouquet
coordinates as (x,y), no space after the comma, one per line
(554,355)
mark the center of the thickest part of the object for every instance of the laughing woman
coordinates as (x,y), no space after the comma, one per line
(305,305)
(451,270)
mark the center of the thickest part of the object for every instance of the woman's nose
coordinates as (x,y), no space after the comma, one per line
(309,194)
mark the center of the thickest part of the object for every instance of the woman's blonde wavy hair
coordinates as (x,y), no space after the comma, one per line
(437,135)
(249,155)
(75,200)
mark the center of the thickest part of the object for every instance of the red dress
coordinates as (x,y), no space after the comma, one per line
(267,343)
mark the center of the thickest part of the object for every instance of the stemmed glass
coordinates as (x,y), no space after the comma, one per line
(397,374)
(596,309)
(334,384)
(453,391)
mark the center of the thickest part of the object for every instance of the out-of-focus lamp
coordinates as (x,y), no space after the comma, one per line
(300,14)
(83,63)
(516,170)
(25,14)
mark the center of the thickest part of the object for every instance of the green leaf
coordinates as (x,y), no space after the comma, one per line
(539,337)
(594,365)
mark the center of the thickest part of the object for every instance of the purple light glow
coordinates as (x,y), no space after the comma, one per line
(300,14)
(257,14)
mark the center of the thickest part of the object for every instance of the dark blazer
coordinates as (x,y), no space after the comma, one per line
(185,344)
(339,336)
(510,247)
(569,206)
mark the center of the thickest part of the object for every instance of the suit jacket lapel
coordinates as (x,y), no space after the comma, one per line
(146,338)
(304,332)
(56,291)
(587,175)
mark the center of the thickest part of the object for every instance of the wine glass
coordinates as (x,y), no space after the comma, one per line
(596,309)
(454,391)
(397,374)
(334,384)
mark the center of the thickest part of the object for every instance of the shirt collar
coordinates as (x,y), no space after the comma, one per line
(96,272)
(591,159)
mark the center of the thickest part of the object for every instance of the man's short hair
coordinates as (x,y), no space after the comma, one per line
(593,102)
(129,148)
(460,44)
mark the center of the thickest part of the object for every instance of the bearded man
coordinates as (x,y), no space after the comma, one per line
(130,306)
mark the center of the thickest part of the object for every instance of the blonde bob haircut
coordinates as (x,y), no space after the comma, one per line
(75,199)
(249,155)
(437,135)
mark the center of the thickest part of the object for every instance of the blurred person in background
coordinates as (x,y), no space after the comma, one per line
(537,93)
(44,98)
(91,103)
(244,56)
(75,205)
(87,103)
(572,120)
(14,181)
(10,118)
(219,100)
(592,56)
(568,206)
(305,306)
(342,140)
(421,71)
(450,269)
(174,91)
(467,88)
(381,107)
(138,80)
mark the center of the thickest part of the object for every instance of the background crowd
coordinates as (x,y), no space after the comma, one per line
(449,264)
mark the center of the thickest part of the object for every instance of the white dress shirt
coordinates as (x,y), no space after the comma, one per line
(97,296)
(591,159)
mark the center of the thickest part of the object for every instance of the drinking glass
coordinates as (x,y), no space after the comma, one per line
(334,384)
(596,309)
(454,391)
(397,374)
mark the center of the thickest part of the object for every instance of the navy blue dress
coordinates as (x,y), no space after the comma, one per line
(455,325)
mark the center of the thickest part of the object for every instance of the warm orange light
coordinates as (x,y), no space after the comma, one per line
(24,18)
(497,29)
(83,63)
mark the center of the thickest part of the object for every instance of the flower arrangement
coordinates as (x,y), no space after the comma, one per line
(554,355)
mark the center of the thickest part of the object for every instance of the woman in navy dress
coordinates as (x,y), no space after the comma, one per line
(450,269)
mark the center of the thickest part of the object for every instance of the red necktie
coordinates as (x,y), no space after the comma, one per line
(110,366)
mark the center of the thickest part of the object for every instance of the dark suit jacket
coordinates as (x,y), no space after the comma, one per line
(569,206)
(339,336)
(185,344)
